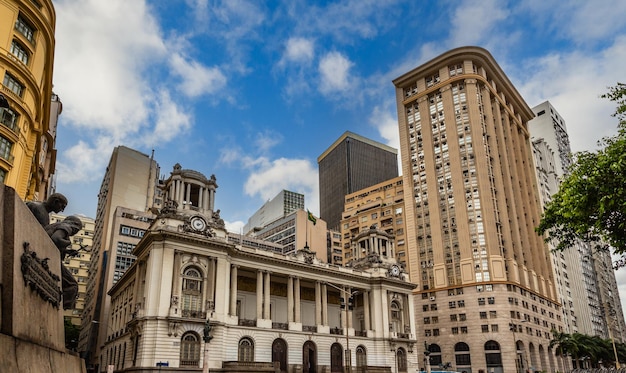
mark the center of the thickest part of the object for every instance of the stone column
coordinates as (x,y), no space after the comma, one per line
(324,304)
(212,198)
(200,199)
(318,303)
(266,303)
(212,275)
(175,301)
(297,291)
(187,195)
(233,290)
(259,294)
(290,299)
(366,309)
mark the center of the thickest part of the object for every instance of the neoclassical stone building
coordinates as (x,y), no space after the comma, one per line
(266,310)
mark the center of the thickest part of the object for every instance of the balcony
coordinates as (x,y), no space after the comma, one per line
(246,322)
(280,325)
(338,331)
(309,328)
(194,314)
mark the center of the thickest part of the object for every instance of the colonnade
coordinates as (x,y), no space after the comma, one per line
(180,191)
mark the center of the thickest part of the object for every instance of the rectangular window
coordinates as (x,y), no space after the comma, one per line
(455,330)
(3,174)
(20,52)
(464,330)
(25,29)
(491,300)
(484,328)
(9,118)
(453,317)
(13,84)
(5,148)
(483,315)
(481,301)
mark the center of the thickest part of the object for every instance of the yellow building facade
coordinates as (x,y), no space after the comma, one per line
(27,155)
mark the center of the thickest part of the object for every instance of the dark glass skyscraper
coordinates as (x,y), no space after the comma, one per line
(351,163)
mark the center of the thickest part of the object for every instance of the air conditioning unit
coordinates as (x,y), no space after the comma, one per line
(432,298)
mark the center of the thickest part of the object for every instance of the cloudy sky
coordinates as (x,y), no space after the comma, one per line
(254,91)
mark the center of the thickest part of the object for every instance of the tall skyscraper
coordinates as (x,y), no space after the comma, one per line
(278,207)
(27,110)
(585,279)
(351,163)
(485,282)
(127,194)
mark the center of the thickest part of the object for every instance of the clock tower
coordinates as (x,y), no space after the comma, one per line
(190,203)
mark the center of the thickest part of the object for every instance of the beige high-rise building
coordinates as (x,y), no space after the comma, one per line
(486,295)
(79,264)
(381,205)
(128,192)
(28,108)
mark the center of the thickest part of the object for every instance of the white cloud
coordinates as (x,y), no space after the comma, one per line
(266,140)
(196,78)
(84,163)
(573,82)
(268,178)
(334,69)
(300,50)
(473,21)
(101,52)
(170,120)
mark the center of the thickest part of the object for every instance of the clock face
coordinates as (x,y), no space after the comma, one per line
(395,270)
(198,223)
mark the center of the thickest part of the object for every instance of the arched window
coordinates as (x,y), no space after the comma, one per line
(192,292)
(493,356)
(401,360)
(361,356)
(336,358)
(435,354)
(462,354)
(396,317)
(190,350)
(246,349)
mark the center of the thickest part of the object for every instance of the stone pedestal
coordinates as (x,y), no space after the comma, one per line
(31,312)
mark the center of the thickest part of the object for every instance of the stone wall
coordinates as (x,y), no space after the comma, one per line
(31,311)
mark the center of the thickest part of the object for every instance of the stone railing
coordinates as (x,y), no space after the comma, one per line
(247,322)
(194,314)
(280,325)
(309,328)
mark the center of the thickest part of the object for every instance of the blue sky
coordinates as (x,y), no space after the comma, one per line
(255,91)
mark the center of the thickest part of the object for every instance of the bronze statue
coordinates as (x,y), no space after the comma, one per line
(60,234)
(55,203)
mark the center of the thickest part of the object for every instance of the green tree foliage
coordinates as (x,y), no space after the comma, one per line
(581,347)
(591,202)
(71,334)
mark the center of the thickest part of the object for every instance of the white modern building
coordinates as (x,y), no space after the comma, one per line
(278,207)
(584,277)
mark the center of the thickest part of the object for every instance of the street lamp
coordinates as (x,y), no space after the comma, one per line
(207,338)
(519,362)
